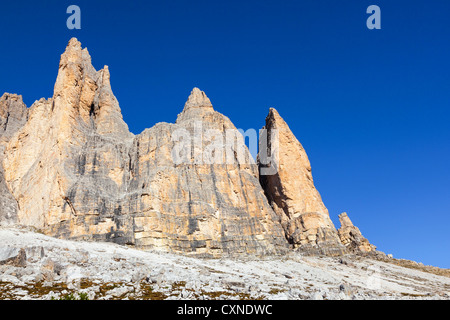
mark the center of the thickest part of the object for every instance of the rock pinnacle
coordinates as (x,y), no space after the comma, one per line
(197,105)
(197,99)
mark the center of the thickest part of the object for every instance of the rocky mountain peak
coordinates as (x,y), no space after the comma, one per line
(73,42)
(75,68)
(345,220)
(197,99)
(72,169)
(11,97)
(84,95)
(196,106)
(274,115)
(275,121)
(293,196)
(75,55)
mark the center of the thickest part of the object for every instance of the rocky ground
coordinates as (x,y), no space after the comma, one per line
(35,266)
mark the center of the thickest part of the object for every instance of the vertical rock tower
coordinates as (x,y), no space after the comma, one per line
(70,167)
(292,194)
(75,171)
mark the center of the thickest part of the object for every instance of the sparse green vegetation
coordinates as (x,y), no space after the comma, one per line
(71,296)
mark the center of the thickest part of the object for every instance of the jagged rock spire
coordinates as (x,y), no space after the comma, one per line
(81,92)
(351,237)
(293,196)
(76,172)
(197,99)
(196,106)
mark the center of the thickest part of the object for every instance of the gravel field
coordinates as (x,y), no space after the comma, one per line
(35,266)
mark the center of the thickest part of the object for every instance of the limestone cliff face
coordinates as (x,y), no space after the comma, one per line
(63,165)
(71,168)
(351,237)
(77,172)
(13,115)
(293,196)
(202,203)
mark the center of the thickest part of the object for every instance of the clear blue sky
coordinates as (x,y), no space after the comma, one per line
(371,107)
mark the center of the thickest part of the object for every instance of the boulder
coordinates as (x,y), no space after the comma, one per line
(13,256)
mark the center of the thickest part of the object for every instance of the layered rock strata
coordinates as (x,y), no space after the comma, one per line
(292,194)
(71,168)
(77,172)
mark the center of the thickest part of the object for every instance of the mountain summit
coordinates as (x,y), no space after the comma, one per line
(71,168)
(197,99)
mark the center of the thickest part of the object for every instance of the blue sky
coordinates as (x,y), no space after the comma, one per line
(371,107)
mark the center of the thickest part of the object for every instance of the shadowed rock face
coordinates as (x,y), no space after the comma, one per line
(77,172)
(13,115)
(294,198)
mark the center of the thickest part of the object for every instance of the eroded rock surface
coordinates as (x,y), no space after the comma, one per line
(204,203)
(71,168)
(13,115)
(293,196)
(351,237)
(78,173)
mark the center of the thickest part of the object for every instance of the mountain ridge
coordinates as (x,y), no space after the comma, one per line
(75,171)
